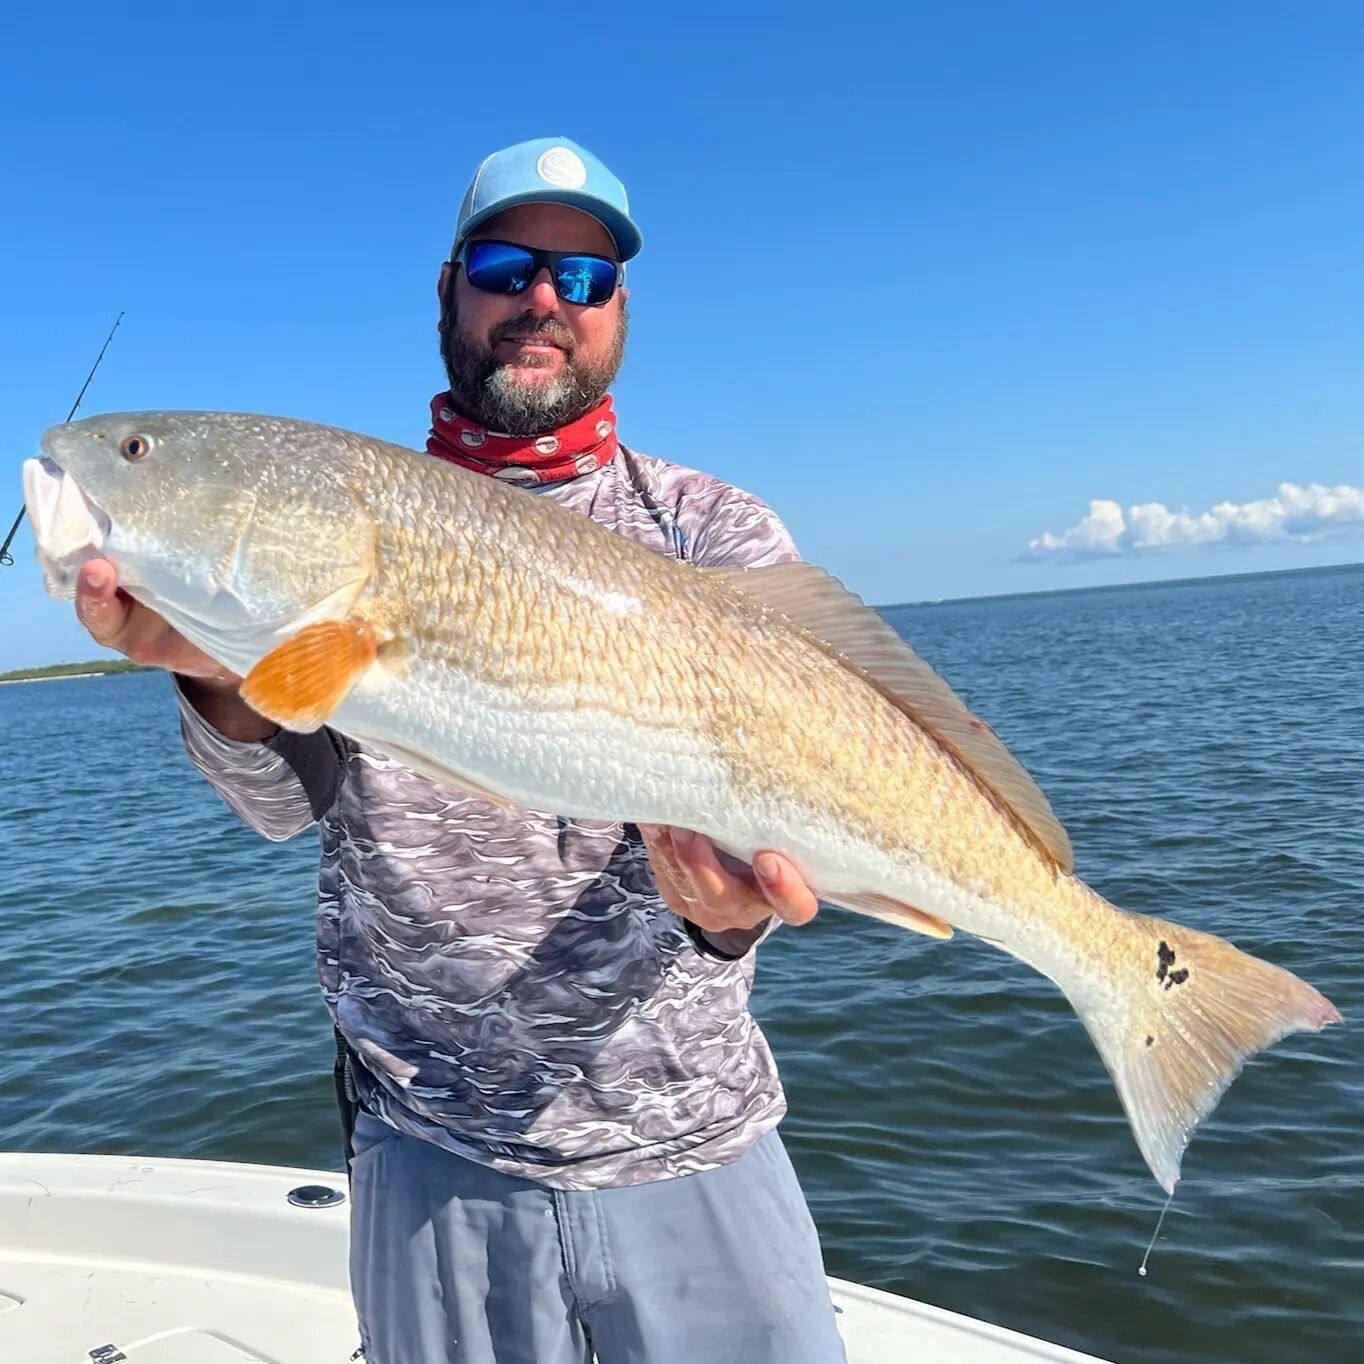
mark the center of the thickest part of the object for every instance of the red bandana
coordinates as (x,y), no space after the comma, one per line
(578,448)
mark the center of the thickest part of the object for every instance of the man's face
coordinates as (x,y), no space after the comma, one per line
(527,363)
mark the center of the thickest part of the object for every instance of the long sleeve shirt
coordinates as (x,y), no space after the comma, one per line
(514,987)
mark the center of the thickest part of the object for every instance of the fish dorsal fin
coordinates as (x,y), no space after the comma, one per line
(838,619)
(300,682)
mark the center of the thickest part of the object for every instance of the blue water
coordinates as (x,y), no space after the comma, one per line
(956,1133)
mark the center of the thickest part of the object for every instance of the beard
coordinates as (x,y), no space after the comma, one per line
(502,397)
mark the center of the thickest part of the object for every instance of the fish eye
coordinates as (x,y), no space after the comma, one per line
(134,448)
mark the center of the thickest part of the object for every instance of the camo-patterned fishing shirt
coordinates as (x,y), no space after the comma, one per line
(515,989)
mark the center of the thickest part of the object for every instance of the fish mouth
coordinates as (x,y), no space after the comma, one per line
(71,528)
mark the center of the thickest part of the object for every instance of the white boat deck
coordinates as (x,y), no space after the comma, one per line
(106,1259)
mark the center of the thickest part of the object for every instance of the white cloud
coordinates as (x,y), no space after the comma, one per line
(1294,514)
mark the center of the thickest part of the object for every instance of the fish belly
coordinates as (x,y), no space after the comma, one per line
(543,751)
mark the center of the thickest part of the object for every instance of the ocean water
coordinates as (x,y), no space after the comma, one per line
(956,1133)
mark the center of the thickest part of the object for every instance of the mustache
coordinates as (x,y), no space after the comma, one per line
(528,324)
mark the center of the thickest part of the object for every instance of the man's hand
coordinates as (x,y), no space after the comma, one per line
(116,621)
(694,884)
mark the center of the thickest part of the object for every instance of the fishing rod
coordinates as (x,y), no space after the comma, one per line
(6,558)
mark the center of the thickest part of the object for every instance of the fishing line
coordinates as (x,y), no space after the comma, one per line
(6,558)
(1160,1221)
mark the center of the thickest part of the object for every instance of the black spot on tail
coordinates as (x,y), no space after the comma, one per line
(1165,958)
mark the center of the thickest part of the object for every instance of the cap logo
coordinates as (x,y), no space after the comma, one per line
(561,167)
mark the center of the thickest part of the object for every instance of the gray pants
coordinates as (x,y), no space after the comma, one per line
(454,1263)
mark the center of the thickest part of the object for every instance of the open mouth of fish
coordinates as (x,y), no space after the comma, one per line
(69,526)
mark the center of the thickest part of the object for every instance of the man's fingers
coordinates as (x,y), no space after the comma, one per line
(676,884)
(116,621)
(725,901)
(718,889)
(98,606)
(784,888)
(667,873)
(693,881)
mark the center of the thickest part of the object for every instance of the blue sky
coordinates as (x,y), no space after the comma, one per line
(927,278)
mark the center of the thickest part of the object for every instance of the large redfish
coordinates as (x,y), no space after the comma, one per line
(516,650)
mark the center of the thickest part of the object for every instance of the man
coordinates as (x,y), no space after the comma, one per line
(566,1140)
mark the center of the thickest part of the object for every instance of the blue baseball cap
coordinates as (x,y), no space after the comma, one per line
(548,170)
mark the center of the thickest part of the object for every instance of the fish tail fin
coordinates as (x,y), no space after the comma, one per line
(1175,1014)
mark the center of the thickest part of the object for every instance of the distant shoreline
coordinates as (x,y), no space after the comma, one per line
(61,672)
(52,677)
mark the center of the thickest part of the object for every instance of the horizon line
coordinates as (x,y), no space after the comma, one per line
(1122,587)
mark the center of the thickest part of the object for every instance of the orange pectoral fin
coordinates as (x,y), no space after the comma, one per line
(894,912)
(299,683)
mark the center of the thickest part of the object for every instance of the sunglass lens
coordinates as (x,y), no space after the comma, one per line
(499,268)
(585,279)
